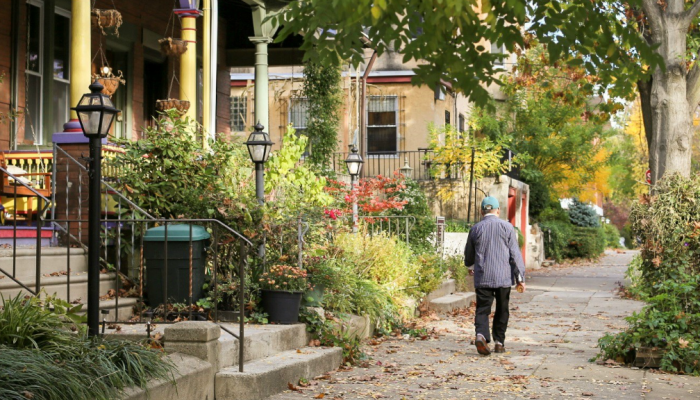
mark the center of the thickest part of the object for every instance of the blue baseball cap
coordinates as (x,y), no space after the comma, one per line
(489,203)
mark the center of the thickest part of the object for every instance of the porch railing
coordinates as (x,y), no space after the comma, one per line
(420,162)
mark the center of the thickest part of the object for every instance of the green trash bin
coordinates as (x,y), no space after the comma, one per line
(178,260)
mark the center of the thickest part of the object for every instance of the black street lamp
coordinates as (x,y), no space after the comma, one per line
(259,146)
(354,163)
(96,114)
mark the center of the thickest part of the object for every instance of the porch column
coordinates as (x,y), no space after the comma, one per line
(262,82)
(80,54)
(206,72)
(188,60)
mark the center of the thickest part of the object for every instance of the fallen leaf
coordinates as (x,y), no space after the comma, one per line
(320,396)
(293,388)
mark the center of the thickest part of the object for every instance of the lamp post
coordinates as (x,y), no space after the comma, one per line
(406,170)
(354,163)
(259,146)
(96,113)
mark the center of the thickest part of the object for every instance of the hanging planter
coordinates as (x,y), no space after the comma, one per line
(172,47)
(109,81)
(110,20)
(180,105)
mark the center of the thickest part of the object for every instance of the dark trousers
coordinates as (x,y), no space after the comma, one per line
(484,300)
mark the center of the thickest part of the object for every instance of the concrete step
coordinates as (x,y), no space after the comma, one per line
(452,302)
(53,259)
(123,313)
(269,376)
(260,341)
(447,287)
(57,286)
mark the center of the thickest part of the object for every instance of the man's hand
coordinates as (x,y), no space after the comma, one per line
(520,287)
(471,272)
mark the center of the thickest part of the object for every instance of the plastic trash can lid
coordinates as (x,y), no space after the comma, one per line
(176,233)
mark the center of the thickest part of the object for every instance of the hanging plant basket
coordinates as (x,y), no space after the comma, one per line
(110,20)
(172,47)
(180,105)
(110,82)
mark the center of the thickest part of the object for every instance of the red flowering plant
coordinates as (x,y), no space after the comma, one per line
(374,196)
(284,277)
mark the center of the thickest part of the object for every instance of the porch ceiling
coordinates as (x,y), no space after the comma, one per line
(240,51)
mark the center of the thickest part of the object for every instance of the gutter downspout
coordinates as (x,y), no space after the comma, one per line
(363,101)
(214,54)
(206,73)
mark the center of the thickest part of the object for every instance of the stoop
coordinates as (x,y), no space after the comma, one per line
(268,376)
(452,302)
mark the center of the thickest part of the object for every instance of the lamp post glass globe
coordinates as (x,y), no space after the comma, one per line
(354,162)
(259,145)
(96,112)
(189,4)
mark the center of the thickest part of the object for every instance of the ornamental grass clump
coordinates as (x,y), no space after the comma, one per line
(667,277)
(284,277)
(40,358)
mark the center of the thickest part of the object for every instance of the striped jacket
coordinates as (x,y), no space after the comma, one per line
(492,248)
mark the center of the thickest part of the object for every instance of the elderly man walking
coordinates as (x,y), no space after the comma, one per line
(492,249)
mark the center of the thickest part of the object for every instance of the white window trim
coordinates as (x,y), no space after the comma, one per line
(39,130)
(395,126)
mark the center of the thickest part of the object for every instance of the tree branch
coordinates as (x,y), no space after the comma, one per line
(692,12)
(693,83)
(653,12)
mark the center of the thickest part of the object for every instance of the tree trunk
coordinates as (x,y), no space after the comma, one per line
(666,110)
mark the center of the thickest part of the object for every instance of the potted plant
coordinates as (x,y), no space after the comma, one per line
(172,47)
(282,288)
(109,80)
(109,19)
(181,106)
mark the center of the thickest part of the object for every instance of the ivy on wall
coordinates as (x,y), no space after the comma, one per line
(324,94)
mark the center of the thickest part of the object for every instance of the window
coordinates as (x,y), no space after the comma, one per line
(61,71)
(298,113)
(36,71)
(35,33)
(496,49)
(461,123)
(448,118)
(239,110)
(382,132)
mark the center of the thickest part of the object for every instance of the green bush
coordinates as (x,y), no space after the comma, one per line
(458,226)
(554,213)
(630,239)
(417,207)
(43,360)
(586,243)
(557,235)
(612,236)
(667,277)
(583,215)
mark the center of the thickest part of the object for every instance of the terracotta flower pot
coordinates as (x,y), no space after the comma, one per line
(106,19)
(180,105)
(172,47)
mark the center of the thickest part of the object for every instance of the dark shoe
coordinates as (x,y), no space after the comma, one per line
(481,346)
(499,348)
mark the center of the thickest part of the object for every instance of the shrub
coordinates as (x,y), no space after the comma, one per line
(458,226)
(554,213)
(630,238)
(557,235)
(612,236)
(459,272)
(667,276)
(586,243)
(417,206)
(583,215)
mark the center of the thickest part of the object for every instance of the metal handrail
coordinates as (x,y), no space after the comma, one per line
(107,185)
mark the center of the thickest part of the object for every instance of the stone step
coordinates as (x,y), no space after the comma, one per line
(57,286)
(260,341)
(53,259)
(269,376)
(447,287)
(123,313)
(452,302)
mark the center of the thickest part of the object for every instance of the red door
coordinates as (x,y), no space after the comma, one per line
(523,224)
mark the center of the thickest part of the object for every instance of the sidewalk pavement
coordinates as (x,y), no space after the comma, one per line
(552,335)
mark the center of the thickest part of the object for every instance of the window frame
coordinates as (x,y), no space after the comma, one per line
(66,14)
(395,126)
(239,100)
(38,130)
